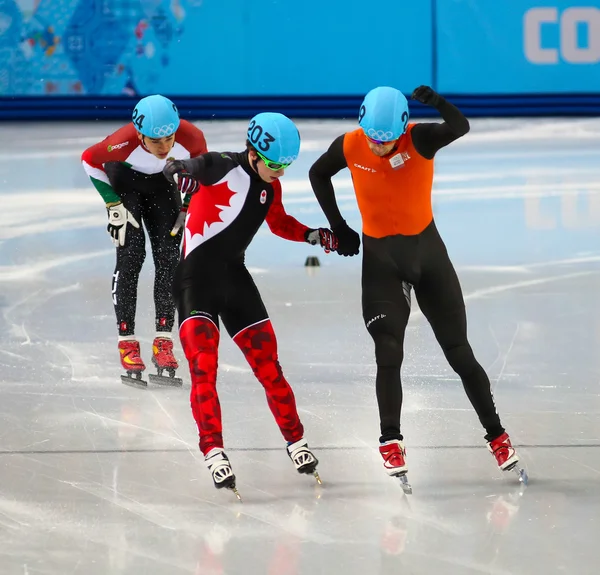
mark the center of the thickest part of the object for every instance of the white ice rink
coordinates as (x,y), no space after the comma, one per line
(97,478)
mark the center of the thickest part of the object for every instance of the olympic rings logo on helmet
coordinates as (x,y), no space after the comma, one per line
(287,159)
(380,134)
(163,131)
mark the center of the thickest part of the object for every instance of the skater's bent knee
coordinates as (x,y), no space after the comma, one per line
(461,359)
(388,350)
(258,341)
(198,335)
(133,251)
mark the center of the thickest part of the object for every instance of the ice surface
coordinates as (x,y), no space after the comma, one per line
(98,478)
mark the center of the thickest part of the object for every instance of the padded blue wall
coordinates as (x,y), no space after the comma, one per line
(316,58)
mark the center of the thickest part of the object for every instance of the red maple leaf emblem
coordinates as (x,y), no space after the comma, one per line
(206,206)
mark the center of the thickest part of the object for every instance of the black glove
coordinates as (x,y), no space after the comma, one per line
(348,239)
(427,96)
(322,236)
(176,173)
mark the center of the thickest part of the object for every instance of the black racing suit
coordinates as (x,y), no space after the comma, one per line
(394,264)
(151,199)
(223,217)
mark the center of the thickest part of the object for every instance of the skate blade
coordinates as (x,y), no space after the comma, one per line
(406,486)
(522,475)
(165,380)
(317,478)
(134,381)
(237,493)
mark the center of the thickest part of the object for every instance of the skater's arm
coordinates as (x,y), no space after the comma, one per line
(191,138)
(115,148)
(320,174)
(204,168)
(429,138)
(281,223)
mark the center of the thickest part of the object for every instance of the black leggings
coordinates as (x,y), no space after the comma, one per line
(151,199)
(391,267)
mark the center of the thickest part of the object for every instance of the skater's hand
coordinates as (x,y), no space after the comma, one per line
(323,237)
(118,218)
(348,241)
(427,96)
(172,169)
(180,221)
(176,173)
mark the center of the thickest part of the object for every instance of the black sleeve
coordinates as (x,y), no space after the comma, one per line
(320,174)
(428,138)
(208,168)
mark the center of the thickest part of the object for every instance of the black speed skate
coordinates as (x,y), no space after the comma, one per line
(304,459)
(218,464)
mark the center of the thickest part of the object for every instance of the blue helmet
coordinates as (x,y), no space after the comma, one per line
(384,114)
(275,136)
(156,117)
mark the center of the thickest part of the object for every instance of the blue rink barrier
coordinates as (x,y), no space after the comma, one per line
(346,107)
(83,60)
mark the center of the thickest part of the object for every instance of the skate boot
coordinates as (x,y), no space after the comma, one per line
(506,456)
(163,359)
(132,363)
(394,462)
(303,458)
(220,469)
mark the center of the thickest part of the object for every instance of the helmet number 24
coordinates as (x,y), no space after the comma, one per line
(138,120)
(258,137)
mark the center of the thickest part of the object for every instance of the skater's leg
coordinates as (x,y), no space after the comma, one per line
(200,342)
(245,317)
(246,320)
(199,335)
(259,346)
(130,259)
(386,309)
(441,300)
(161,207)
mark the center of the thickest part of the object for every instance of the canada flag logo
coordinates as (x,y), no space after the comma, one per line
(263,196)
(208,207)
(213,208)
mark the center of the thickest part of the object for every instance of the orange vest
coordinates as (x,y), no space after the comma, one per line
(391,200)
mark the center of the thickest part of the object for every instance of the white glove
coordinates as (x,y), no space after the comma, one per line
(118,218)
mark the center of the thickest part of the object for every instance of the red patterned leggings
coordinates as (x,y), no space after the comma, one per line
(200,341)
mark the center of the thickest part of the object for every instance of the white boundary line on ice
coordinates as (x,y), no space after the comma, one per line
(30,270)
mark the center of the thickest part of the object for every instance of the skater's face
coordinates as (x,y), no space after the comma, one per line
(159,147)
(380,148)
(266,174)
